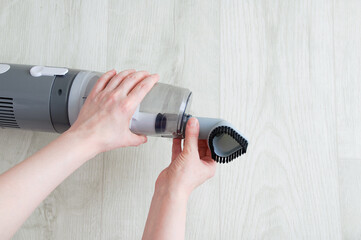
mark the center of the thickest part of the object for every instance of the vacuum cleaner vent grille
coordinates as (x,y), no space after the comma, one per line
(7,117)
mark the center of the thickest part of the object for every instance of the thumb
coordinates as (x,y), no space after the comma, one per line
(191,135)
(136,140)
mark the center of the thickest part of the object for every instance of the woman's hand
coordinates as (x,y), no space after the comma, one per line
(191,166)
(103,124)
(104,119)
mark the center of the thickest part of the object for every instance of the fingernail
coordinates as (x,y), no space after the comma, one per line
(193,122)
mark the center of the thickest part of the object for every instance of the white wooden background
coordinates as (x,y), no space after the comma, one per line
(286,73)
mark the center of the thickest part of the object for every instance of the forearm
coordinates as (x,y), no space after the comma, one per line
(25,186)
(189,168)
(167,215)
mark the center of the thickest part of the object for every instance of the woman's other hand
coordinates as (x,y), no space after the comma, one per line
(189,167)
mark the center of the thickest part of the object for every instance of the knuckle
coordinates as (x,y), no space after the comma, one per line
(137,75)
(130,77)
(141,74)
(102,95)
(101,79)
(133,76)
(187,151)
(112,98)
(125,73)
(96,98)
(126,105)
(143,85)
(105,76)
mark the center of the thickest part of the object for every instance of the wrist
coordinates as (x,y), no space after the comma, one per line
(82,141)
(171,194)
(172,190)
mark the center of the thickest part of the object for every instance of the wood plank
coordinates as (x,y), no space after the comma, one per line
(179,40)
(277,86)
(347,40)
(347,77)
(347,72)
(66,33)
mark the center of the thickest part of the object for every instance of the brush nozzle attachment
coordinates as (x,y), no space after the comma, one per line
(226,144)
(224,141)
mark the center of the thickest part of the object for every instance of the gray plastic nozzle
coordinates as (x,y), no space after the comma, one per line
(225,142)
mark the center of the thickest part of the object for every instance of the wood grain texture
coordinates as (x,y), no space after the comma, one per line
(348,77)
(180,41)
(285,73)
(347,42)
(277,86)
(60,33)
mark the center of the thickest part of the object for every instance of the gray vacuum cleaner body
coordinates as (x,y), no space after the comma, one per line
(49,99)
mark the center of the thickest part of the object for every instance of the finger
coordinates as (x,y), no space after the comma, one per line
(131,80)
(191,135)
(102,82)
(136,140)
(117,79)
(176,148)
(142,88)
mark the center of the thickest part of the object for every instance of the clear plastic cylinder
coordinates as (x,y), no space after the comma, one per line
(162,111)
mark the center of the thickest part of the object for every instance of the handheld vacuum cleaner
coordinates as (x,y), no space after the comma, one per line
(49,99)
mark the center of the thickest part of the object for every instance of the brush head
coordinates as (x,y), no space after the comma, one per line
(224,141)
(226,144)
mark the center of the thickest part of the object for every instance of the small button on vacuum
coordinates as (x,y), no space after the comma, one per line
(4,68)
